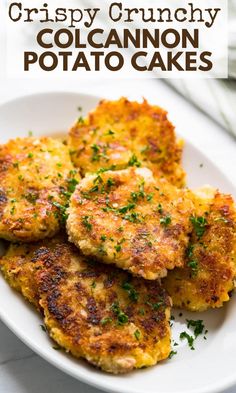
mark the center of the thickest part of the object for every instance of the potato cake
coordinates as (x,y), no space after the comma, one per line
(119,134)
(20,263)
(129,219)
(207,279)
(36,179)
(97,312)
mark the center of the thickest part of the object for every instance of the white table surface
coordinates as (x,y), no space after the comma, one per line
(21,371)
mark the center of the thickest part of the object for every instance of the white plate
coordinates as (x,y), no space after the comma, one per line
(211,367)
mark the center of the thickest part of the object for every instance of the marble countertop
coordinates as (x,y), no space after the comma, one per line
(22,371)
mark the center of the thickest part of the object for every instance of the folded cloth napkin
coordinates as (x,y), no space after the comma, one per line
(216,97)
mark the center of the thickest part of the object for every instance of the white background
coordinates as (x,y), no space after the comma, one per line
(21,371)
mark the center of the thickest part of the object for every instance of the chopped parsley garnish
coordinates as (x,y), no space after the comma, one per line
(149,197)
(96,149)
(99,152)
(193,264)
(155,306)
(118,248)
(80,120)
(197,325)
(56,348)
(132,293)
(16,165)
(72,183)
(30,155)
(94,188)
(126,208)
(12,211)
(43,328)
(103,238)
(31,197)
(133,161)
(190,339)
(199,224)
(110,182)
(165,220)
(106,320)
(171,354)
(133,217)
(141,311)
(62,209)
(93,285)
(103,170)
(110,132)
(86,223)
(121,316)
(137,334)
(189,251)
(159,208)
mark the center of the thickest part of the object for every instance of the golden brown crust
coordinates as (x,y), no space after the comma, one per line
(122,133)
(90,313)
(210,266)
(35,177)
(95,311)
(129,219)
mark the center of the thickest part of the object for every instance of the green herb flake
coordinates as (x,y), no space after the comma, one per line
(121,316)
(43,328)
(171,354)
(110,132)
(86,223)
(197,325)
(110,182)
(132,293)
(105,321)
(165,221)
(30,155)
(72,183)
(190,339)
(93,285)
(62,209)
(137,334)
(80,120)
(133,217)
(126,208)
(133,161)
(199,224)
(149,197)
(193,264)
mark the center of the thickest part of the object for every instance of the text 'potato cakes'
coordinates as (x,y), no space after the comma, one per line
(95,311)
(36,177)
(119,134)
(129,219)
(210,265)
